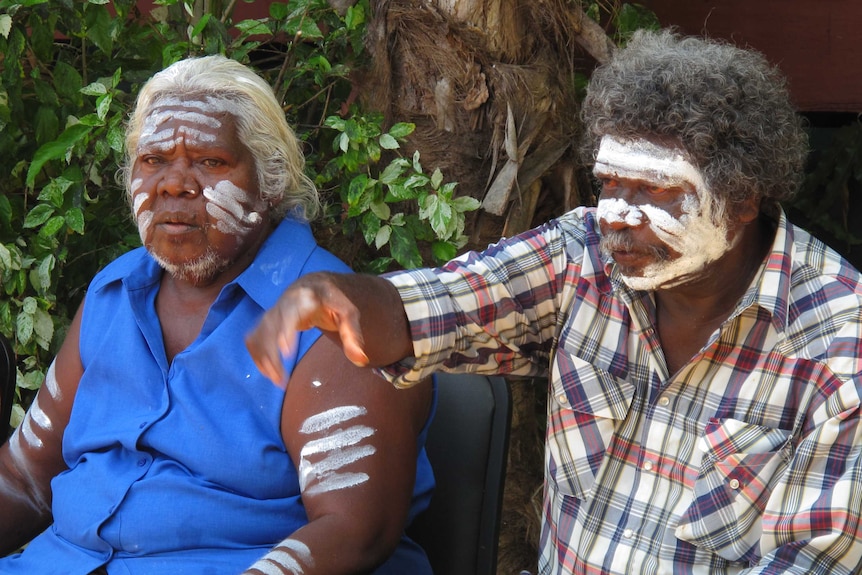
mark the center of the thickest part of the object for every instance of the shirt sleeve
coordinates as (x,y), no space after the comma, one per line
(491,312)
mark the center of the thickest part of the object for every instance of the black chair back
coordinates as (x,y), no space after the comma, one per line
(7,387)
(467,445)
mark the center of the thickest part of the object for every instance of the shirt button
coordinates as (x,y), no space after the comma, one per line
(563,399)
(142,425)
(663,400)
(628,533)
(734,484)
(648,466)
(142,461)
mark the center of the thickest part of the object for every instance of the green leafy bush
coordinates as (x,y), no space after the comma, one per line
(68,76)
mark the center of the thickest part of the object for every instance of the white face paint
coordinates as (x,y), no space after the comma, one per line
(322,460)
(225,205)
(51,383)
(288,557)
(693,235)
(198,126)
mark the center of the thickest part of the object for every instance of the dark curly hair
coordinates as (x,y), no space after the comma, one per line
(728,107)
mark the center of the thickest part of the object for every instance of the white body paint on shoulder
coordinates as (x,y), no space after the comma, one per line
(51,383)
(339,448)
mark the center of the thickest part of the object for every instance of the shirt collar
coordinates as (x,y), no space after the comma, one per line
(278,263)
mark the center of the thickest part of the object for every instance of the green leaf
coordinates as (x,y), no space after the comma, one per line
(436,178)
(416,181)
(356,189)
(344,142)
(402,246)
(55,150)
(46,266)
(393,171)
(199,27)
(401,130)
(98,23)
(38,215)
(5,259)
(381,210)
(103,106)
(335,123)
(355,16)
(55,190)
(382,236)
(417,167)
(94,89)
(75,220)
(5,25)
(24,327)
(443,251)
(43,328)
(387,142)
(68,83)
(52,226)
(279,10)
(465,204)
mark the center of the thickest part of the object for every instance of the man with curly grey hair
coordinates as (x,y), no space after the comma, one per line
(704,355)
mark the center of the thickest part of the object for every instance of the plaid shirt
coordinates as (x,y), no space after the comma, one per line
(747,460)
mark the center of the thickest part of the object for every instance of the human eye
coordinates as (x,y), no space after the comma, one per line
(608,182)
(212,163)
(654,190)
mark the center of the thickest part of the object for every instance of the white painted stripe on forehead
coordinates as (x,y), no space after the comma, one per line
(645,160)
(209,104)
(331,417)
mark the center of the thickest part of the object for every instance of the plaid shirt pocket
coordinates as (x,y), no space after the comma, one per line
(742,463)
(587,405)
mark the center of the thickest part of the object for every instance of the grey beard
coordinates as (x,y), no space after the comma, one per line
(201,270)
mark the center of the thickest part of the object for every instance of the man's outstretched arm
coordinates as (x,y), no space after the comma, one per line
(363,313)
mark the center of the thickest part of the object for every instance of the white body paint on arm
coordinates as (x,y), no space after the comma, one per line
(339,448)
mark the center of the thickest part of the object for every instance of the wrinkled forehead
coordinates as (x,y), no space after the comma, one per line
(205,113)
(645,160)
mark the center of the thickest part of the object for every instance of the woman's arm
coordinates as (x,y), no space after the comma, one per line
(352,437)
(33,455)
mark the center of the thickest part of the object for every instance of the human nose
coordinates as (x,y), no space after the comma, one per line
(178,180)
(617,213)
